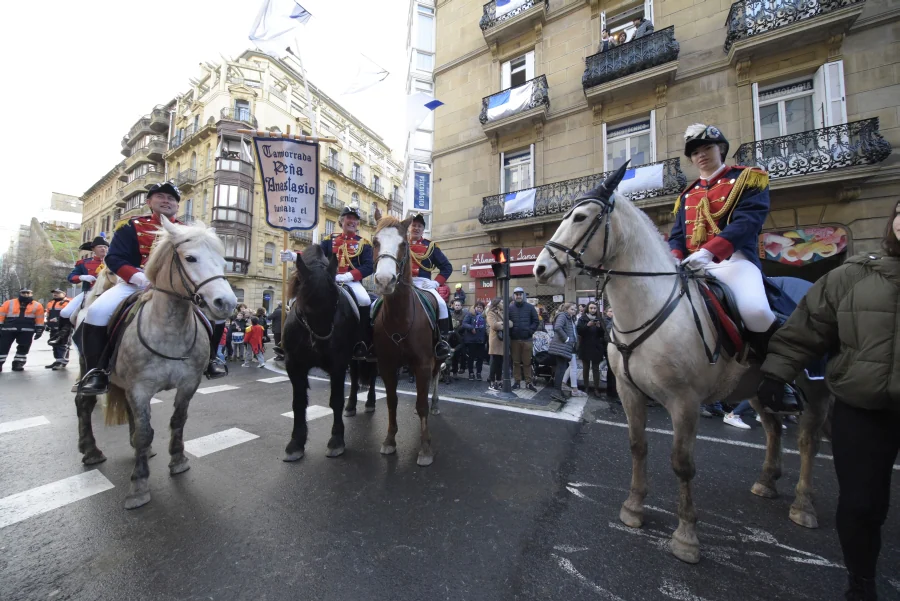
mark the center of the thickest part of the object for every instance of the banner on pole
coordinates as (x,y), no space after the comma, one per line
(289,171)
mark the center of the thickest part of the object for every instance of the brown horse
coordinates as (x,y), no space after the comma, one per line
(403,334)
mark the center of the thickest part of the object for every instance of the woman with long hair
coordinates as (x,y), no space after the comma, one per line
(562,345)
(592,345)
(853,315)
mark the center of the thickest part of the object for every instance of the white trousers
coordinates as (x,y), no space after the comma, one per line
(106,304)
(73,306)
(362,297)
(442,306)
(745,281)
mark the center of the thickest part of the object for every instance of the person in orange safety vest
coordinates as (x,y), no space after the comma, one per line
(22,321)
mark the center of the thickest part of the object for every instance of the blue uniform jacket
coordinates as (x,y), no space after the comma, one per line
(87,266)
(740,228)
(363,265)
(436,260)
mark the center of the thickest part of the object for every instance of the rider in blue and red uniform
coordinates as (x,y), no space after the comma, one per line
(128,253)
(427,257)
(84,273)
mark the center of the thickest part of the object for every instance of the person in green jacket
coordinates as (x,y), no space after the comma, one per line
(853,315)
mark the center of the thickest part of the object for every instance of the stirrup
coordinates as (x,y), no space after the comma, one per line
(212,372)
(361,351)
(442,350)
(784,409)
(79,386)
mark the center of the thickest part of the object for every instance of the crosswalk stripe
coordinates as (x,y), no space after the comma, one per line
(211,389)
(219,441)
(21,424)
(21,506)
(274,380)
(312,412)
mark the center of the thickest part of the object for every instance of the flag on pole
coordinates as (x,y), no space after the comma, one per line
(276,25)
(505,6)
(509,102)
(519,202)
(368,73)
(418,107)
(648,177)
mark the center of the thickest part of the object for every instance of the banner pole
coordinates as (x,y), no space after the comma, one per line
(284,286)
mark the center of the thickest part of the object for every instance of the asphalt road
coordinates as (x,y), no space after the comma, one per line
(517,505)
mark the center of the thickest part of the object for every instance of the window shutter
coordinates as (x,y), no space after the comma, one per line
(505,77)
(602,21)
(648,10)
(756,128)
(835,100)
(603,128)
(502,174)
(531,182)
(529,65)
(820,109)
(652,136)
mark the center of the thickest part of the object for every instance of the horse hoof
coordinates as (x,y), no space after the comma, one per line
(349,412)
(425,460)
(766,492)
(804,518)
(370,408)
(388,449)
(686,552)
(179,467)
(292,456)
(93,457)
(435,411)
(138,496)
(335,452)
(631,518)
(151,453)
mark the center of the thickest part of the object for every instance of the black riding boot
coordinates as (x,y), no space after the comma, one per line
(363,349)
(860,589)
(93,344)
(62,334)
(759,341)
(442,348)
(215,369)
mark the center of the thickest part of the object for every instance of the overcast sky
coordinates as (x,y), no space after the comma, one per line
(79,74)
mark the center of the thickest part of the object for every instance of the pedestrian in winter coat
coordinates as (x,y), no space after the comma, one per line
(253,338)
(591,345)
(475,335)
(457,316)
(562,344)
(495,341)
(642,27)
(459,295)
(853,314)
(524,323)
(275,320)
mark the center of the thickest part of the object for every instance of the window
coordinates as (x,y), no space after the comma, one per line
(376,182)
(188,208)
(329,227)
(331,190)
(357,172)
(232,203)
(425,9)
(333,155)
(396,195)
(517,71)
(424,61)
(205,203)
(140,171)
(622,23)
(354,200)
(236,246)
(423,141)
(208,156)
(423,86)
(269,254)
(136,201)
(425,31)
(635,140)
(517,173)
(241,110)
(196,124)
(239,294)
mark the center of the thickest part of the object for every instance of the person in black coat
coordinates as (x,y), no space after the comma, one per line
(591,345)
(611,392)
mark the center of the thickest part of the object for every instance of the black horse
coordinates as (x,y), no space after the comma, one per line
(321,329)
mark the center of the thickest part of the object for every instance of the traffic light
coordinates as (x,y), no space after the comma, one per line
(501,263)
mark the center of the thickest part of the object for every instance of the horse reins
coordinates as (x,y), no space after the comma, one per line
(302,319)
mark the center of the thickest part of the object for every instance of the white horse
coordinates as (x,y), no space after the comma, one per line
(663,353)
(164,347)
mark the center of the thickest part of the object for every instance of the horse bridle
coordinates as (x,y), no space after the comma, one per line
(396,337)
(194,295)
(302,319)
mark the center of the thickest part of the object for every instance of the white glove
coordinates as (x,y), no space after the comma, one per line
(140,280)
(343,277)
(87,278)
(288,256)
(429,285)
(698,260)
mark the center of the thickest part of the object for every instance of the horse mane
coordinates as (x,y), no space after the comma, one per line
(164,245)
(385,222)
(316,266)
(630,240)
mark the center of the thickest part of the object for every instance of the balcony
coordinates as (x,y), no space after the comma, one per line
(515,22)
(240,115)
(335,165)
(186,219)
(357,176)
(760,27)
(378,189)
(186,179)
(302,236)
(156,148)
(138,184)
(641,63)
(231,163)
(817,152)
(139,128)
(551,201)
(331,202)
(516,107)
(159,119)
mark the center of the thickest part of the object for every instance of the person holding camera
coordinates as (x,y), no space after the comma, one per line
(592,345)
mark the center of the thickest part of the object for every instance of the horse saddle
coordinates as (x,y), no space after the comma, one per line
(429,305)
(351,298)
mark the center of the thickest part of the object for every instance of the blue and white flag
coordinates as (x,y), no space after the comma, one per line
(505,6)
(418,107)
(276,26)
(509,102)
(648,177)
(518,202)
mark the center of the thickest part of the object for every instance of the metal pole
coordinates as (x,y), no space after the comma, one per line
(507,359)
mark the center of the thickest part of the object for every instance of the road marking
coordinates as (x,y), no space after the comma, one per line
(679,592)
(275,380)
(212,389)
(312,412)
(21,424)
(212,443)
(570,548)
(736,443)
(155,400)
(569,568)
(29,503)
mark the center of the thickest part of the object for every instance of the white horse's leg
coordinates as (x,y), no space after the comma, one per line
(178,462)
(803,509)
(632,512)
(684,544)
(765,485)
(141,439)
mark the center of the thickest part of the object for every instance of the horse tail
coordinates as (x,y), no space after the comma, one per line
(116,412)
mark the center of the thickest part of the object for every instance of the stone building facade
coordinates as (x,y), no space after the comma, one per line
(538,109)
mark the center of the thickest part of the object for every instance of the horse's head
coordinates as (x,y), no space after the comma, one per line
(391,254)
(315,271)
(583,236)
(188,260)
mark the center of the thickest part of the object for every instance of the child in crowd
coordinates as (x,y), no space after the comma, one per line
(253,338)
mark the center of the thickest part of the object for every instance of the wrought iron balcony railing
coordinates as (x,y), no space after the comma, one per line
(539,96)
(490,19)
(849,145)
(632,57)
(357,176)
(187,219)
(332,202)
(559,197)
(748,18)
(302,235)
(377,188)
(242,115)
(186,178)
(334,164)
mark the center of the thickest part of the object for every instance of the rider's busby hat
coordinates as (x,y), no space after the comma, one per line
(165,187)
(349,211)
(98,241)
(698,135)
(420,218)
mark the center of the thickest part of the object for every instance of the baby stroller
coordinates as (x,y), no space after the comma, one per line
(542,362)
